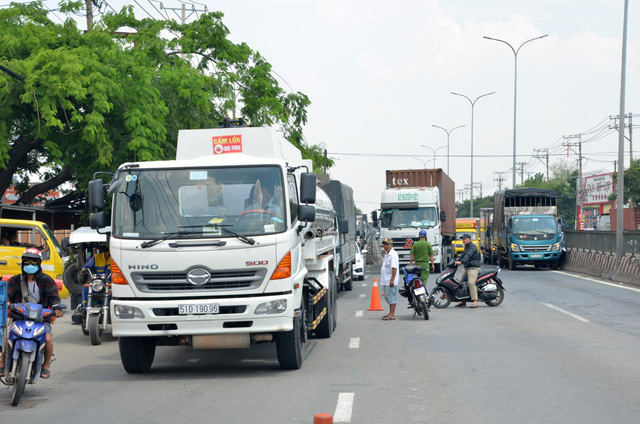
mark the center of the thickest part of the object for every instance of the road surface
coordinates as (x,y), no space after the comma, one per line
(559,349)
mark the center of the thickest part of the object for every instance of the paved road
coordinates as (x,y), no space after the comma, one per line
(559,349)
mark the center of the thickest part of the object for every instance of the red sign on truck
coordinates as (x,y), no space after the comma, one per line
(227,144)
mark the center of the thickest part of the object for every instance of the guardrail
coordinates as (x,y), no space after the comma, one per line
(603,241)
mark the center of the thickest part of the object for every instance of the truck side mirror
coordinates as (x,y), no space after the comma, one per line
(64,244)
(96,195)
(344,226)
(443,216)
(306,213)
(308,188)
(374,216)
(97,220)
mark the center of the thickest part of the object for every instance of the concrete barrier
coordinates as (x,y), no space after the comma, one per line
(603,265)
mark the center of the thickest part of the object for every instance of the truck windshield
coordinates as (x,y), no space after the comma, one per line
(246,200)
(535,225)
(473,235)
(418,218)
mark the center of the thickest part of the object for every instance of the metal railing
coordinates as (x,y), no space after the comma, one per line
(603,241)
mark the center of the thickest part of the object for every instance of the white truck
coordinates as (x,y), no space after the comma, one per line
(220,248)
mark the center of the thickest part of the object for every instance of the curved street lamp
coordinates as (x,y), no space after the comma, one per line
(424,162)
(515,90)
(448,134)
(473,103)
(433,151)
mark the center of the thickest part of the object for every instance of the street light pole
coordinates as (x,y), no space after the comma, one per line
(434,152)
(515,91)
(448,134)
(424,162)
(473,103)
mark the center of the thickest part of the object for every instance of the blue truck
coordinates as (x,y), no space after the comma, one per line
(526,228)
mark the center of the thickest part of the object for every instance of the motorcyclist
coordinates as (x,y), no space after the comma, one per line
(39,288)
(471,260)
(99,264)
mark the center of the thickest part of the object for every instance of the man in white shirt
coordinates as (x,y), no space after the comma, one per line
(389,277)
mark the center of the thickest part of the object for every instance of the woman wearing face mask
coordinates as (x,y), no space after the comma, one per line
(40,288)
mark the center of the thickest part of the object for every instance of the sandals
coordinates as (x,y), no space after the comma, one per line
(44,374)
(388,318)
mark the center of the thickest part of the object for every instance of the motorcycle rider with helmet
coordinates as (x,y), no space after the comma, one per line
(471,261)
(34,286)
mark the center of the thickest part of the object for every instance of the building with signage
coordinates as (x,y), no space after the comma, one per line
(595,195)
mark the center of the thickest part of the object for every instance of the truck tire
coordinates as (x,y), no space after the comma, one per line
(69,277)
(437,268)
(324,330)
(512,264)
(348,286)
(290,345)
(554,264)
(137,353)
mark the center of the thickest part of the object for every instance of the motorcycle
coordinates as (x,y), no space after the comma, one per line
(448,289)
(97,316)
(26,345)
(415,290)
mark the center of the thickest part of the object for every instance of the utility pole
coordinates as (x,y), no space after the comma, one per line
(183,11)
(89,6)
(616,126)
(580,179)
(460,193)
(478,186)
(500,179)
(520,167)
(542,153)
(620,199)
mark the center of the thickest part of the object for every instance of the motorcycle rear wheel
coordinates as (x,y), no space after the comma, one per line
(20,380)
(498,300)
(441,298)
(425,309)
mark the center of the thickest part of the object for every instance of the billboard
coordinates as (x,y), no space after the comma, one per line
(598,188)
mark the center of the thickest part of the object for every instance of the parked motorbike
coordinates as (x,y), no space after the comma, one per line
(25,353)
(415,290)
(448,289)
(97,316)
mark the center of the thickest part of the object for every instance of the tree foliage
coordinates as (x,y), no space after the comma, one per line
(631,183)
(89,101)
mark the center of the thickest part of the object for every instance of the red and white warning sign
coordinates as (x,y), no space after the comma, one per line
(227,144)
(408,244)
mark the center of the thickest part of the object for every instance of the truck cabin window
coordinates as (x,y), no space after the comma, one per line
(418,218)
(534,226)
(459,235)
(200,202)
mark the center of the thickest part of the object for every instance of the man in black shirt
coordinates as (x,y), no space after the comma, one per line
(471,260)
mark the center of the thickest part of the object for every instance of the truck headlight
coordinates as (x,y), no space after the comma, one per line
(127,312)
(556,247)
(272,307)
(515,247)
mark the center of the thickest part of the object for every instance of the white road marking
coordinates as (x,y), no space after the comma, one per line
(359,314)
(364,284)
(597,281)
(354,343)
(362,296)
(578,317)
(344,408)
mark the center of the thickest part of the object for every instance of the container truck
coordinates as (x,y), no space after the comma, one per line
(341,196)
(418,199)
(229,245)
(525,228)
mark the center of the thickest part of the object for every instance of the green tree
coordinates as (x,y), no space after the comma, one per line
(631,183)
(464,207)
(79,102)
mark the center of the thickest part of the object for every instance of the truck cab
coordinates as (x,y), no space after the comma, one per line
(18,234)
(465,226)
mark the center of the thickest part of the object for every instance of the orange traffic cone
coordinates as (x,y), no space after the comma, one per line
(375,298)
(323,419)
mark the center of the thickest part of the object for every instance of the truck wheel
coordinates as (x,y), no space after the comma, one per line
(137,353)
(290,345)
(348,286)
(554,264)
(325,329)
(437,268)
(512,264)
(494,260)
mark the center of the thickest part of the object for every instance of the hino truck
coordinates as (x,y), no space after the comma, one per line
(416,200)
(525,228)
(229,245)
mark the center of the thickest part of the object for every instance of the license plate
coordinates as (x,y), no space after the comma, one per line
(536,256)
(419,291)
(211,308)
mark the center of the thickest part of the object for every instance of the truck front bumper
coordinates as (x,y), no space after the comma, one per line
(535,256)
(237,315)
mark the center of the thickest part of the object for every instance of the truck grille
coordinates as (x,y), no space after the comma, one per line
(398,243)
(220,280)
(535,248)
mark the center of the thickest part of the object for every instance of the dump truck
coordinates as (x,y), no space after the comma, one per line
(466,226)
